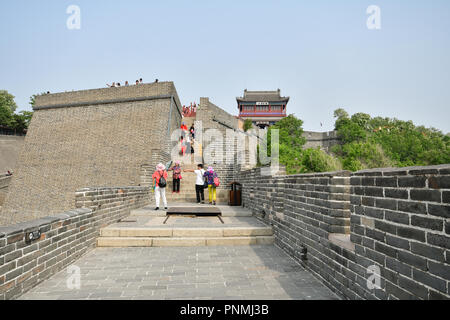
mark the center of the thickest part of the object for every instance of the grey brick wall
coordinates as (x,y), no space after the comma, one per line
(398,218)
(323,140)
(64,237)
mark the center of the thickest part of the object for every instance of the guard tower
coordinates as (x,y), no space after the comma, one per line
(264,108)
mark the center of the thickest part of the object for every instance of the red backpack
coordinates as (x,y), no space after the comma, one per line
(216,181)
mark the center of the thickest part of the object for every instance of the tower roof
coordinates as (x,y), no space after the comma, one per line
(262,96)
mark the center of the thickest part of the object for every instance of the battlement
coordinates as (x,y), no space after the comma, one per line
(133,93)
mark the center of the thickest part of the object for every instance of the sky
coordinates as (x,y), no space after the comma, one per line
(319,53)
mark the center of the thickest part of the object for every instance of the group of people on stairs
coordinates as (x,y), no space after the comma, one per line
(205,179)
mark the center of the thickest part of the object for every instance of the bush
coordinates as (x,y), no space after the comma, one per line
(316,160)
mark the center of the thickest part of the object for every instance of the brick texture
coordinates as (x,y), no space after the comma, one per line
(64,237)
(395,219)
(94,145)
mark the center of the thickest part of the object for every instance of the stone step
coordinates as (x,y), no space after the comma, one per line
(226,210)
(183,241)
(173,232)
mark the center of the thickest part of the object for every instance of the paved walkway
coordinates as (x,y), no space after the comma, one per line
(241,273)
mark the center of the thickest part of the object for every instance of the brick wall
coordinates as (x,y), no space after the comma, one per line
(323,140)
(64,237)
(399,222)
(97,144)
(213,117)
(4,184)
(10,147)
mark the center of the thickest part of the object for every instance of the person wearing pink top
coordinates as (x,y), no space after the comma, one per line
(160,191)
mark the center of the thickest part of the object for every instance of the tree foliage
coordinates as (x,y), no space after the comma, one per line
(5,116)
(291,152)
(8,119)
(379,142)
(7,100)
(248,124)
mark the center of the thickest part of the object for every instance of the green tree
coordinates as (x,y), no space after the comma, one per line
(248,124)
(21,120)
(379,142)
(341,116)
(6,116)
(7,100)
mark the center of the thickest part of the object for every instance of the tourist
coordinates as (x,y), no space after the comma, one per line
(156,80)
(192,131)
(188,145)
(184,129)
(199,183)
(176,177)
(118,84)
(140,81)
(112,85)
(160,190)
(126,84)
(137,82)
(211,177)
(183,146)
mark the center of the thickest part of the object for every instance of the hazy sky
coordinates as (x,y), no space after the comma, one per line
(320,53)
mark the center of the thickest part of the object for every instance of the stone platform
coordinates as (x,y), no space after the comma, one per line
(186,226)
(201,273)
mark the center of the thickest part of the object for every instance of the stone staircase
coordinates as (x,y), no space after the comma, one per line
(148,228)
(187,186)
(184,237)
(187,183)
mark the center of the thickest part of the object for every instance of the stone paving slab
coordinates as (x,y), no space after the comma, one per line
(227,211)
(188,222)
(225,273)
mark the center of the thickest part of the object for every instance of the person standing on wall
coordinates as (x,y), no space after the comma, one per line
(184,129)
(159,183)
(213,183)
(176,177)
(183,146)
(192,131)
(199,183)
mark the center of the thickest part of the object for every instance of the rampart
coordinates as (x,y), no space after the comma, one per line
(92,138)
(4,184)
(399,231)
(10,146)
(62,238)
(323,140)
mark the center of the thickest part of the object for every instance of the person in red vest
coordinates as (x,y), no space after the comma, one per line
(160,190)
(183,146)
(184,129)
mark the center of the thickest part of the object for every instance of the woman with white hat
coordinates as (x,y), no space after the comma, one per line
(159,183)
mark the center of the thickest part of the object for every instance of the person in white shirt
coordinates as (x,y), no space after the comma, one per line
(199,183)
